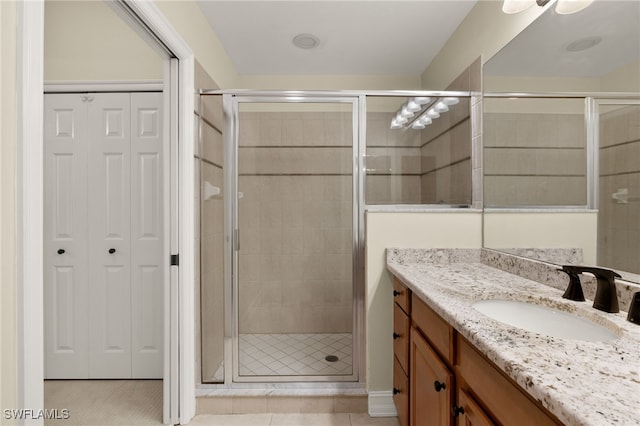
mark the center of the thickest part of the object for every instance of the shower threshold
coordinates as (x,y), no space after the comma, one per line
(276,356)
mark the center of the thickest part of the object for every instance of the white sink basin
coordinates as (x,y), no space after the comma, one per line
(544,320)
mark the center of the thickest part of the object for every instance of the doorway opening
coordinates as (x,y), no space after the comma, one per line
(176,82)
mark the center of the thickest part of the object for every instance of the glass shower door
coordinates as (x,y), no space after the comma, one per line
(295,316)
(619,185)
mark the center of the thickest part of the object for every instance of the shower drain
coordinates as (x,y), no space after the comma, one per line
(331,358)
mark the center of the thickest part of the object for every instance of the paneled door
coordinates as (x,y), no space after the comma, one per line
(103,207)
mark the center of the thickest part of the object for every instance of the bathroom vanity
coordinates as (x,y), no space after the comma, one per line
(455,365)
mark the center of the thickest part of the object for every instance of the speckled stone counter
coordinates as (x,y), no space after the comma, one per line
(581,383)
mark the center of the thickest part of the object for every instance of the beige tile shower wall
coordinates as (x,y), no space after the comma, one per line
(296,222)
(619,223)
(446,158)
(534,159)
(210,232)
(392,162)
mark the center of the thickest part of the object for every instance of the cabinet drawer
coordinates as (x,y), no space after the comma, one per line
(503,400)
(401,325)
(435,329)
(401,393)
(402,295)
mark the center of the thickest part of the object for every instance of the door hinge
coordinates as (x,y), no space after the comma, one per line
(175,259)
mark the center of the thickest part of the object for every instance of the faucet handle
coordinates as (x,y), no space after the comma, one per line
(574,289)
(606,298)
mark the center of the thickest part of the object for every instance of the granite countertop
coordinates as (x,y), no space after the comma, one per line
(580,382)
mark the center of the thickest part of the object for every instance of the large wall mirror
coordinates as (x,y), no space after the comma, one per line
(562,139)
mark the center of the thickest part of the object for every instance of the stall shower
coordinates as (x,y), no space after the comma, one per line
(282,201)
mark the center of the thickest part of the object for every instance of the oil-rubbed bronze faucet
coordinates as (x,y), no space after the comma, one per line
(574,289)
(606,297)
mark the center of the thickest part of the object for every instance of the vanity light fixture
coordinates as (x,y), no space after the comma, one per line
(516,6)
(566,7)
(425,108)
(563,7)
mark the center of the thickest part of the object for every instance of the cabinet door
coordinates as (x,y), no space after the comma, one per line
(470,413)
(431,393)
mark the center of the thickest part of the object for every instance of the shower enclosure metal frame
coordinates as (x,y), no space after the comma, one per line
(357,98)
(231,103)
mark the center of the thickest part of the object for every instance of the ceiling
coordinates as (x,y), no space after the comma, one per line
(356,37)
(540,50)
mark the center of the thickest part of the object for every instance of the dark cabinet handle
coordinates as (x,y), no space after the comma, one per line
(439,386)
(60,251)
(456,411)
(396,336)
(396,293)
(396,391)
(112,250)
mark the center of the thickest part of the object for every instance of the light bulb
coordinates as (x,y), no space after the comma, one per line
(441,107)
(432,113)
(406,113)
(400,119)
(417,126)
(395,124)
(516,6)
(566,7)
(422,100)
(450,100)
(413,106)
(425,120)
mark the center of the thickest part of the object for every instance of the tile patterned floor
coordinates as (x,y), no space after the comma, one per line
(295,354)
(105,402)
(322,419)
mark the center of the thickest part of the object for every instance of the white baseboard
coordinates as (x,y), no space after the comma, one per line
(381,404)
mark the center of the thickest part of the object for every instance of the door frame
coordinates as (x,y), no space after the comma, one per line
(179,375)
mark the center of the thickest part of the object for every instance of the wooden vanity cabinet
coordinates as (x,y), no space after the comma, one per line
(449,382)
(401,327)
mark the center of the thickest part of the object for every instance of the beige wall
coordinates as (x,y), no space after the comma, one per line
(330,82)
(87,40)
(8,367)
(446,229)
(624,79)
(187,18)
(494,83)
(540,229)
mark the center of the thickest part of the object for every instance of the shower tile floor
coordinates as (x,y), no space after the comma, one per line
(295,354)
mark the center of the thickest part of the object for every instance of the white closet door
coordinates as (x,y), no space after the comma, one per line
(104,245)
(110,236)
(65,224)
(147,246)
